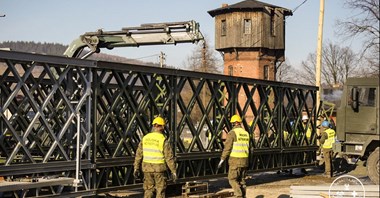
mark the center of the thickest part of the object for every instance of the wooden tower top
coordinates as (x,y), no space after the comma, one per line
(250,25)
(246,6)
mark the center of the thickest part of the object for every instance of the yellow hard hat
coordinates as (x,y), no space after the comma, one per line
(235,118)
(159,121)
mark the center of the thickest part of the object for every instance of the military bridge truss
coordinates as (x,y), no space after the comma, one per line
(70,127)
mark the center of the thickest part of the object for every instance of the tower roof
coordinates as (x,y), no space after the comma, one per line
(244,6)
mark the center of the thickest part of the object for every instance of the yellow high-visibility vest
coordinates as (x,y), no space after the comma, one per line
(286,133)
(308,132)
(153,148)
(241,145)
(330,140)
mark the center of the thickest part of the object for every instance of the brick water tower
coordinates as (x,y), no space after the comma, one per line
(251,36)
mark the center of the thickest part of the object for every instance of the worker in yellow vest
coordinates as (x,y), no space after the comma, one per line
(327,140)
(307,128)
(236,148)
(156,154)
(305,119)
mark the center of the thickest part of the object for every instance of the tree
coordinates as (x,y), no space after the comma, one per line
(365,23)
(204,59)
(285,72)
(338,63)
(307,73)
(372,59)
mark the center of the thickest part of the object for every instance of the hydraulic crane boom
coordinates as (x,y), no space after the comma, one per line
(146,34)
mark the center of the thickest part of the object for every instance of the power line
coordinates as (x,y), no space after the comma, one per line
(294,10)
(147,56)
(276,25)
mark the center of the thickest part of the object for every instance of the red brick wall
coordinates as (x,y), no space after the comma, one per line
(249,65)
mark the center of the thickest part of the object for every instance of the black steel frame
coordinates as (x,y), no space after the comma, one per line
(42,96)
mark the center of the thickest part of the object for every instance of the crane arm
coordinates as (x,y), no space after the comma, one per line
(146,34)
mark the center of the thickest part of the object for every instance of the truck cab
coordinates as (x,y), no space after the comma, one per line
(358,123)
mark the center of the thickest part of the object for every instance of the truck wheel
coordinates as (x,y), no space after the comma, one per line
(341,165)
(373,166)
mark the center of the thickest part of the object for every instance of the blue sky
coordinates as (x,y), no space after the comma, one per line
(61,21)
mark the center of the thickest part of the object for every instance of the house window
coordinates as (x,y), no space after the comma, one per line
(266,72)
(230,70)
(223,28)
(247,26)
(273,23)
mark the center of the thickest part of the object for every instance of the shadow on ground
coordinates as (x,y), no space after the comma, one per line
(281,196)
(271,181)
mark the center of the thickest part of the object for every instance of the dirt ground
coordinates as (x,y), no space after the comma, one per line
(273,185)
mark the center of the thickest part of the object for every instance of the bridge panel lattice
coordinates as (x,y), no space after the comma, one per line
(47,103)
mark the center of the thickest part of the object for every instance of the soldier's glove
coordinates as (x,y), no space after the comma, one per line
(136,173)
(220,163)
(174,177)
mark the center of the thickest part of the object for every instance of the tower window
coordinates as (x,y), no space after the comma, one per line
(230,70)
(223,28)
(273,22)
(266,72)
(247,26)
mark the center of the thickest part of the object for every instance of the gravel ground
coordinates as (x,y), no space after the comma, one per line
(273,185)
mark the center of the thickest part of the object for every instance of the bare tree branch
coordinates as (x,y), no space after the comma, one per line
(365,24)
(204,59)
(337,65)
(285,72)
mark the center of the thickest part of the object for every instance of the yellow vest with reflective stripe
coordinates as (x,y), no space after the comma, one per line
(330,140)
(240,147)
(153,148)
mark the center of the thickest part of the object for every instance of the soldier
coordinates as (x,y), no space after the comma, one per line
(156,154)
(307,128)
(327,139)
(236,148)
(305,119)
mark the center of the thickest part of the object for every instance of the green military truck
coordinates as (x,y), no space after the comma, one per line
(358,123)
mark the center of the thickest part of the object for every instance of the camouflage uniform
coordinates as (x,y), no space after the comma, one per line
(154,174)
(326,142)
(237,166)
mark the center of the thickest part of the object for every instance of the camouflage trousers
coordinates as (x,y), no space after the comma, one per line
(154,183)
(327,155)
(236,178)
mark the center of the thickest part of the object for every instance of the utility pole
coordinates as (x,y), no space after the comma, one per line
(204,49)
(162,59)
(319,54)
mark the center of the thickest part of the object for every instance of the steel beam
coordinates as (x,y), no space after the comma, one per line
(41,96)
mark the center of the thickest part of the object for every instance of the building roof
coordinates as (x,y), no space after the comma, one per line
(246,6)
